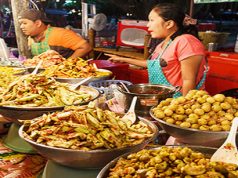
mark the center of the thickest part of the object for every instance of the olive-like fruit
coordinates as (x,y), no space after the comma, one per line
(219,97)
(225,106)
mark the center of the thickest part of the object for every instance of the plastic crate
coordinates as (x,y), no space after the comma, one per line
(103,85)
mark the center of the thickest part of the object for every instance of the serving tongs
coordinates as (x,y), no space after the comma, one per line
(227,153)
(37,67)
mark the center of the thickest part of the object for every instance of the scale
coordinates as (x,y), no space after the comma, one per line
(13,141)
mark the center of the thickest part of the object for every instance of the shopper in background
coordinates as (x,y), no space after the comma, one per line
(180,58)
(43,37)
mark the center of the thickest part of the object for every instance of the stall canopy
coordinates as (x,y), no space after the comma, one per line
(213,1)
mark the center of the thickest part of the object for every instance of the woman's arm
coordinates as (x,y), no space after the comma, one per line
(190,68)
(81,51)
(115,58)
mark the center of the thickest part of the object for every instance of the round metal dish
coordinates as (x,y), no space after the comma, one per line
(76,80)
(193,136)
(105,171)
(26,113)
(145,98)
(86,159)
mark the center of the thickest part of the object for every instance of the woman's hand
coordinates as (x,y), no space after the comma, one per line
(115,58)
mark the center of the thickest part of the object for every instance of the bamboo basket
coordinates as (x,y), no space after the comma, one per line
(218,38)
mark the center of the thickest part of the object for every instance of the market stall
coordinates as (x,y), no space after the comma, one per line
(59,129)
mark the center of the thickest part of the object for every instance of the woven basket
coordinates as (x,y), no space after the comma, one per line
(219,38)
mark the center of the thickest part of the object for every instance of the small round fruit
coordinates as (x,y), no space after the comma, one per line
(221,113)
(201,100)
(216,108)
(159,114)
(230,100)
(216,128)
(180,110)
(202,121)
(192,120)
(168,112)
(195,106)
(229,116)
(170,121)
(193,116)
(172,107)
(236,114)
(194,126)
(225,106)
(219,97)
(206,117)
(188,111)
(211,122)
(210,100)
(225,122)
(226,127)
(204,127)
(198,111)
(185,124)
(206,107)
(178,122)
(181,99)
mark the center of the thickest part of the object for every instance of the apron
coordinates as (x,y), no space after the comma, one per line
(38,48)
(156,75)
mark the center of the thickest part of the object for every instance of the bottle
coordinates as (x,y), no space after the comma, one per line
(236,45)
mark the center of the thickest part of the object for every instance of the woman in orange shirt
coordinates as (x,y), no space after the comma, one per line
(180,58)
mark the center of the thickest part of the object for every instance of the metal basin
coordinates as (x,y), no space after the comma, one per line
(105,171)
(86,159)
(16,113)
(193,136)
(76,80)
(148,95)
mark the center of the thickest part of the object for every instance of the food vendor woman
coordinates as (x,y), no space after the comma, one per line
(179,59)
(43,37)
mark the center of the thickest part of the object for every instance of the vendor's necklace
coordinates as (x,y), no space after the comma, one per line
(163,63)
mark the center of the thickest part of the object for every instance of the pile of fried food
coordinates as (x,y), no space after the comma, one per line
(7,75)
(74,68)
(50,57)
(199,110)
(171,162)
(85,128)
(38,90)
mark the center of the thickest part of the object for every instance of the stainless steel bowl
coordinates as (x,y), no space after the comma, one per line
(76,80)
(105,171)
(16,113)
(193,136)
(86,159)
(148,95)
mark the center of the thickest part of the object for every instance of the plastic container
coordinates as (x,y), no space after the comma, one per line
(4,51)
(104,86)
